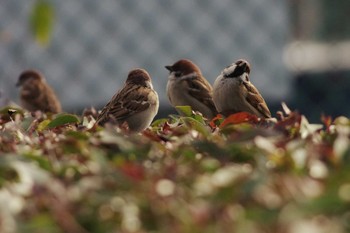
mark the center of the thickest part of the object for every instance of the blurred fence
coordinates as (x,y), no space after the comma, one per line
(95,43)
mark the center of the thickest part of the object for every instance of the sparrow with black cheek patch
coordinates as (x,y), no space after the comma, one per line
(136,103)
(187,86)
(233,92)
(36,94)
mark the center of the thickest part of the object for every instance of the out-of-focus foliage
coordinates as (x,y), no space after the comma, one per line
(62,173)
(41,21)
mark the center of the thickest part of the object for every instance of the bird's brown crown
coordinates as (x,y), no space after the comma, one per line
(138,76)
(28,75)
(183,67)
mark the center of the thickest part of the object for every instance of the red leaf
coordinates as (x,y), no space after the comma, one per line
(293,119)
(216,121)
(151,135)
(133,170)
(239,118)
(166,127)
(157,137)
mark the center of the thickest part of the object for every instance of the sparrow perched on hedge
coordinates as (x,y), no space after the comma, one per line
(233,92)
(136,103)
(36,94)
(187,86)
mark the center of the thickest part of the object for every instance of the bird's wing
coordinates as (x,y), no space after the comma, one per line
(256,100)
(201,90)
(52,102)
(125,103)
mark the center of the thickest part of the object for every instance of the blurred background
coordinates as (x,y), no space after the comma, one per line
(299,50)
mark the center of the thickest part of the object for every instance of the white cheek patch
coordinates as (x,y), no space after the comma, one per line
(150,84)
(244,77)
(189,76)
(172,75)
(220,78)
(230,69)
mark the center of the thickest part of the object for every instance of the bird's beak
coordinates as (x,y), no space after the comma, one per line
(170,68)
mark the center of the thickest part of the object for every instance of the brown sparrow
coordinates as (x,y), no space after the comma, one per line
(233,92)
(36,94)
(136,103)
(187,86)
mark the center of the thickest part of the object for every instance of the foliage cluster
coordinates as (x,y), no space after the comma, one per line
(62,173)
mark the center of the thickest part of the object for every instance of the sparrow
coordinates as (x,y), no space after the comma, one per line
(233,92)
(136,103)
(36,94)
(187,86)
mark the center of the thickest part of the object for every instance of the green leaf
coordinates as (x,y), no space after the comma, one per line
(210,164)
(15,110)
(41,21)
(78,135)
(185,110)
(199,118)
(62,120)
(42,161)
(198,126)
(7,174)
(42,221)
(43,125)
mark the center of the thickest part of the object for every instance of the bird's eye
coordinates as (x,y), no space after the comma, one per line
(247,78)
(177,74)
